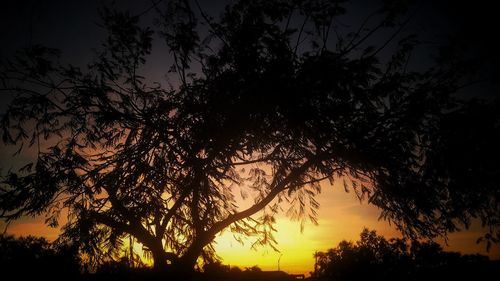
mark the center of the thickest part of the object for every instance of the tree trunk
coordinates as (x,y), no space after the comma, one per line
(159,259)
(181,265)
(188,261)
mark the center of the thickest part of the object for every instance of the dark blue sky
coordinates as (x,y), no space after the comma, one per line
(72,26)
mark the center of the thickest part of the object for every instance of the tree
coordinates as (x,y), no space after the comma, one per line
(377,258)
(30,256)
(267,105)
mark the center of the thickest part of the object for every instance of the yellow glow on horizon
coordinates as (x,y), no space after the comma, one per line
(341,216)
(294,249)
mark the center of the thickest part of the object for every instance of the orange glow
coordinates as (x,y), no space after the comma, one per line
(341,216)
(31,226)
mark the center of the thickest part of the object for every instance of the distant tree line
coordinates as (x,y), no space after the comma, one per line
(35,256)
(374,257)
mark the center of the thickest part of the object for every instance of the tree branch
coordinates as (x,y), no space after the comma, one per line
(280,186)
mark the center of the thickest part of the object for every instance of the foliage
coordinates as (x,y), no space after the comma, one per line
(34,256)
(267,105)
(376,258)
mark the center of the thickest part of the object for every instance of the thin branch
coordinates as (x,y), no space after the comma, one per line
(279,186)
(153,6)
(297,43)
(209,22)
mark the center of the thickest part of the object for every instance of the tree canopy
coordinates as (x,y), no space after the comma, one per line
(396,259)
(265,103)
(35,256)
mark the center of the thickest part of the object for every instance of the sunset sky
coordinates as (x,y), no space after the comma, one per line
(341,217)
(72,28)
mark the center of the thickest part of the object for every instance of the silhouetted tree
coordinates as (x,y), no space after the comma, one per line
(270,100)
(35,256)
(373,257)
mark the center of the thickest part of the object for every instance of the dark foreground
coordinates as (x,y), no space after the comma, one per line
(32,258)
(484,271)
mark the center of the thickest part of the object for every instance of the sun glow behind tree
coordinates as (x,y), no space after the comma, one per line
(166,164)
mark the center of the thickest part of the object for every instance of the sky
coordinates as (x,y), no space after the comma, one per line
(341,217)
(72,26)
